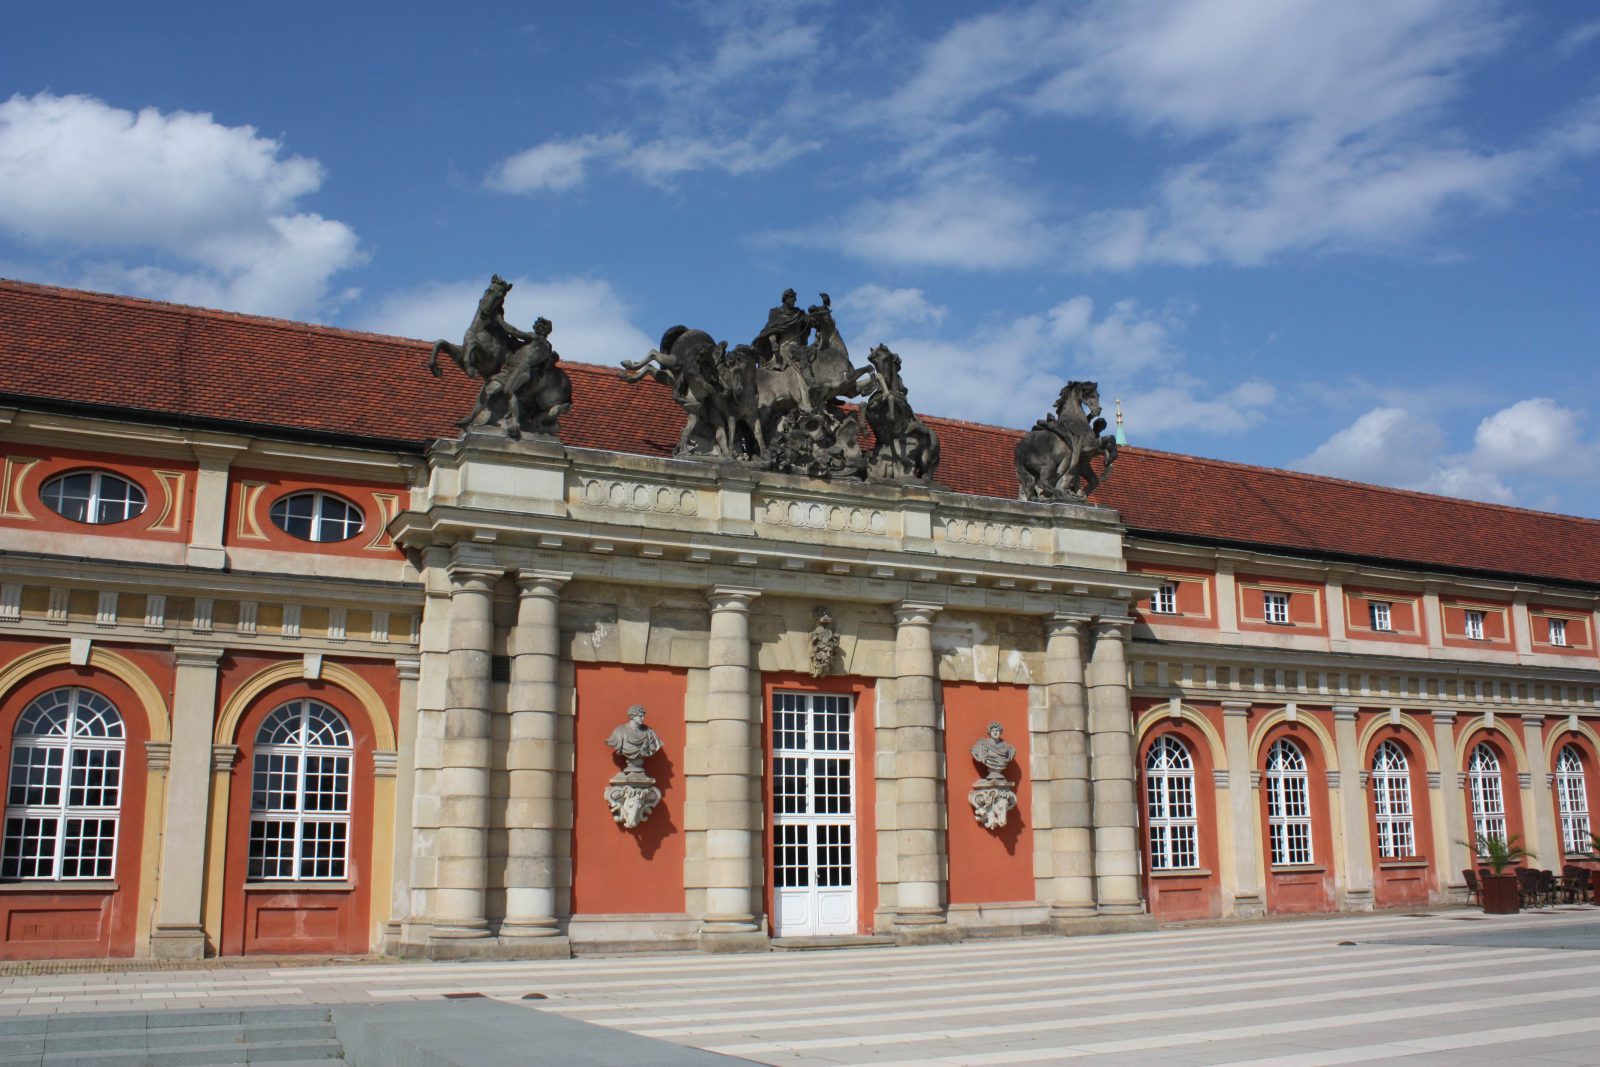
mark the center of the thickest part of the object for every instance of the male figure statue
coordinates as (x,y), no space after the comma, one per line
(994,753)
(784,332)
(635,741)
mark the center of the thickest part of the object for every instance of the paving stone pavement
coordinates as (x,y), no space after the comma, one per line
(1453,987)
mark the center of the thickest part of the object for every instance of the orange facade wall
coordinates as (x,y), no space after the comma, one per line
(1194,591)
(618,871)
(864,708)
(168,488)
(54,920)
(251,494)
(1510,787)
(1306,614)
(1176,895)
(1402,881)
(987,866)
(1496,624)
(1309,888)
(1580,640)
(1406,624)
(268,918)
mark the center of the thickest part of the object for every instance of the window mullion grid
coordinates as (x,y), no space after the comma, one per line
(303,754)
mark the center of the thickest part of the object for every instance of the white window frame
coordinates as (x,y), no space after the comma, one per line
(1487,791)
(321,521)
(304,760)
(1572,797)
(1288,806)
(1165,600)
(1275,607)
(1558,632)
(1473,623)
(1382,618)
(1172,826)
(1390,786)
(97,497)
(82,752)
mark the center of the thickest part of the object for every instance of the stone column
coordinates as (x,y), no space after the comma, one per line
(408,669)
(459,912)
(1455,852)
(1544,840)
(179,933)
(531,767)
(920,894)
(1353,813)
(1071,816)
(733,916)
(1113,783)
(1248,901)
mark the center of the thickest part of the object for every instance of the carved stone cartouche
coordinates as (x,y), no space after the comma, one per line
(824,644)
(524,391)
(1055,459)
(777,402)
(994,796)
(632,794)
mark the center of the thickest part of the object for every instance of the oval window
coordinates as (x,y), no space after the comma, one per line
(317,517)
(96,497)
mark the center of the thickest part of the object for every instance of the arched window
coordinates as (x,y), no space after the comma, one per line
(1288,805)
(1488,799)
(1169,806)
(1391,802)
(1573,798)
(96,497)
(300,794)
(316,516)
(65,789)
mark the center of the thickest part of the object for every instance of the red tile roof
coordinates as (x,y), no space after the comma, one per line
(199,366)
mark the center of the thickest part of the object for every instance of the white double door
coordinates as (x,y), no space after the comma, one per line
(813,814)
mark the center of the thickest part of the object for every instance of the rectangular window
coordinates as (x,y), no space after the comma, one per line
(1276,606)
(1558,632)
(1475,625)
(1380,615)
(1165,602)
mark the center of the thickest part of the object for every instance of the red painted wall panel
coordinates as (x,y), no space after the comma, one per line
(987,866)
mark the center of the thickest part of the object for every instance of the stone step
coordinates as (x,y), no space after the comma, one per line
(279,1036)
(322,1052)
(81,1022)
(801,944)
(168,1037)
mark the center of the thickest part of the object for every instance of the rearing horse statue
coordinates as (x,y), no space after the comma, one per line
(1055,459)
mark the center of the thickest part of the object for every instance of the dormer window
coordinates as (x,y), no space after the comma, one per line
(1380,615)
(1558,632)
(1474,622)
(1165,601)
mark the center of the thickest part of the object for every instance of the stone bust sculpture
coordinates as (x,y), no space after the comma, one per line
(994,753)
(635,741)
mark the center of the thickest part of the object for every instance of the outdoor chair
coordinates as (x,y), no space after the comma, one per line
(1549,888)
(1575,884)
(1528,886)
(1474,889)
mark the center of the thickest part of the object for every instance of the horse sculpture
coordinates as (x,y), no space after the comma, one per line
(907,448)
(1055,459)
(523,390)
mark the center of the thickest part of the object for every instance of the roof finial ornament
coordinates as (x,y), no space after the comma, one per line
(1122,438)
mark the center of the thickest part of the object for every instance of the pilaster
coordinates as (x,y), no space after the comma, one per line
(1352,807)
(1248,877)
(921,891)
(1072,813)
(1543,839)
(1455,852)
(179,932)
(407,670)
(1116,813)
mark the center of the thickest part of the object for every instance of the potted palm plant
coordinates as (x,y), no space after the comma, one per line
(1501,894)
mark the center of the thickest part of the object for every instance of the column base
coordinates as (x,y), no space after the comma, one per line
(1071,911)
(733,933)
(1101,923)
(1248,906)
(924,926)
(178,943)
(488,948)
(529,928)
(1357,900)
(393,932)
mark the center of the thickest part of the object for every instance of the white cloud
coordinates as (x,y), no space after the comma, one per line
(553,165)
(558,166)
(1578,38)
(875,310)
(591,320)
(217,206)
(1518,453)
(1181,402)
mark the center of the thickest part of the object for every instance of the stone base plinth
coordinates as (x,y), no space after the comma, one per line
(1090,925)
(487,948)
(1248,908)
(1356,900)
(719,941)
(178,943)
(924,926)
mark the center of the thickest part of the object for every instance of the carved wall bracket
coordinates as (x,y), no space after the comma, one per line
(992,802)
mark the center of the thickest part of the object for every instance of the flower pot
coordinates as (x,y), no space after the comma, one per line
(1501,894)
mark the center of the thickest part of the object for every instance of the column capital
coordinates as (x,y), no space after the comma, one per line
(197,655)
(1236,707)
(1116,627)
(1071,623)
(535,582)
(1443,716)
(409,668)
(916,612)
(1533,718)
(222,757)
(731,597)
(473,577)
(1345,711)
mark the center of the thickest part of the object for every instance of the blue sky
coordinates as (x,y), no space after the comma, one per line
(1357,238)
